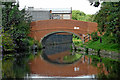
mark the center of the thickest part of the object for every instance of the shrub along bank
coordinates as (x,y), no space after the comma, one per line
(15,29)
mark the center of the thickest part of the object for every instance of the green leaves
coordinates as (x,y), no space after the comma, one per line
(78,15)
(15,23)
(108,20)
(94,36)
(7,42)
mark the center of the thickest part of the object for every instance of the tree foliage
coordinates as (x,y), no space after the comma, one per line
(8,43)
(15,23)
(95,3)
(94,36)
(108,19)
(78,15)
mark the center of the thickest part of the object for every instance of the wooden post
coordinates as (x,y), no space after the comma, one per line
(88,37)
(86,51)
(83,38)
(98,52)
(100,40)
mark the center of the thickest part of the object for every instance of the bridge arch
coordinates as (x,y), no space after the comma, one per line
(42,39)
(60,32)
(43,28)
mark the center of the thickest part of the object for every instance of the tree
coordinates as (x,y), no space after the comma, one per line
(94,3)
(78,15)
(15,23)
(108,19)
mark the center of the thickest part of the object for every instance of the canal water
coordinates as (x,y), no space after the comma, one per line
(53,62)
(59,60)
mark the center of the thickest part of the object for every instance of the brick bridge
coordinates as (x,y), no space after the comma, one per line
(43,28)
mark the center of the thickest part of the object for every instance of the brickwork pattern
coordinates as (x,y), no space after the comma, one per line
(41,28)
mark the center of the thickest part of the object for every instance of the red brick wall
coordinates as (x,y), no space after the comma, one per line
(43,27)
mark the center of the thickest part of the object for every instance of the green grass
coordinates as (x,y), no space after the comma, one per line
(103,46)
(77,41)
(72,58)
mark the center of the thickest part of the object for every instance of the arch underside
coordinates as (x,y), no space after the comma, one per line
(59,32)
(40,35)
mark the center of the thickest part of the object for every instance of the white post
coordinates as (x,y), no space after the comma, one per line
(88,37)
(83,38)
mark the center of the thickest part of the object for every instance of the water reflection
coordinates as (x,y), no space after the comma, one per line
(58,60)
(56,49)
(16,66)
(52,63)
(44,68)
(56,53)
(29,65)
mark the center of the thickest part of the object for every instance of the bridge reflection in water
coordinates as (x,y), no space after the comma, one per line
(56,53)
(51,63)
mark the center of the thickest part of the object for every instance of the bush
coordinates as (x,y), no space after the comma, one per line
(94,36)
(38,44)
(7,43)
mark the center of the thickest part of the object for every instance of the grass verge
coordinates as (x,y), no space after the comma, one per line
(103,46)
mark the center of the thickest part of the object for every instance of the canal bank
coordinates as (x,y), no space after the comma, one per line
(101,53)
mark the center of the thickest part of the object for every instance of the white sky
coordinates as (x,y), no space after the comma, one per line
(82,5)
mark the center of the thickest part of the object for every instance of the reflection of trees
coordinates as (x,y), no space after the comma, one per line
(108,68)
(16,67)
(20,66)
(7,69)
